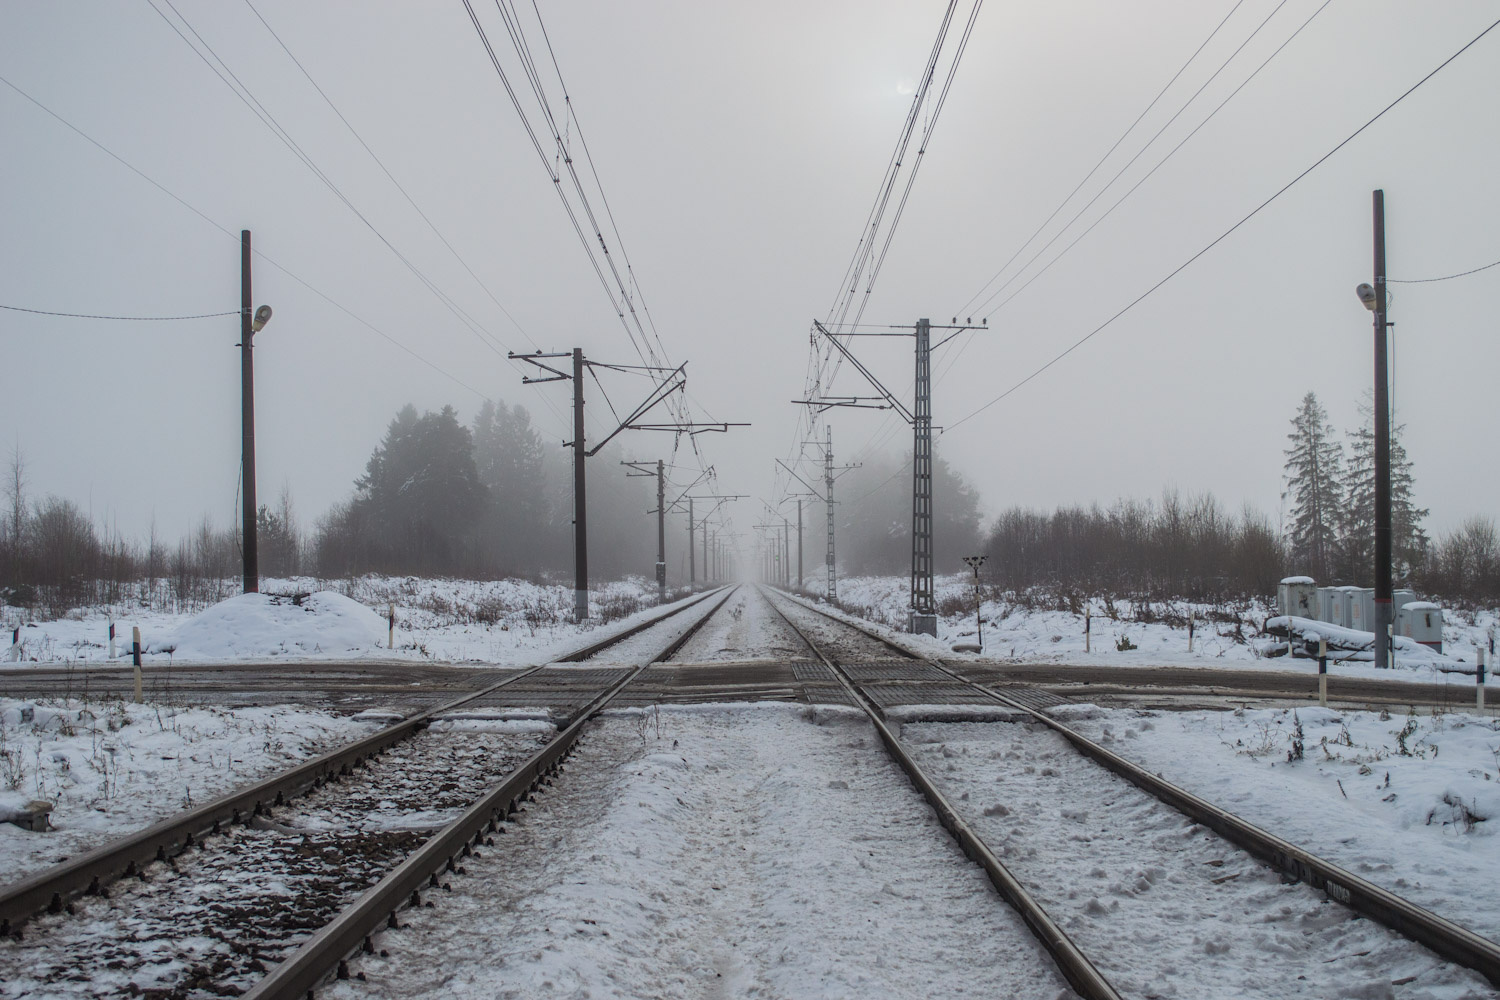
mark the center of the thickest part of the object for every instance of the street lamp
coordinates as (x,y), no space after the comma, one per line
(1373,297)
(249,326)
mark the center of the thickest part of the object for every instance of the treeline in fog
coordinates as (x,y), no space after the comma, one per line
(872,518)
(437,497)
(492,499)
(486,501)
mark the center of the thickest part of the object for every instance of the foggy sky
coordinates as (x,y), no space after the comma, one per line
(740,146)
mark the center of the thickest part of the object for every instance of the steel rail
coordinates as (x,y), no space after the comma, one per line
(328,950)
(91,872)
(1075,966)
(1448,939)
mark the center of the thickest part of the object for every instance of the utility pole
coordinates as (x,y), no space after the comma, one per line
(660,529)
(786,552)
(799,545)
(668,381)
(249,537)
(832,589)
(923,610)
(1382,450)
(580,504)
(696,523)
(249,327)
(661,521)
(692,556)
(923,616)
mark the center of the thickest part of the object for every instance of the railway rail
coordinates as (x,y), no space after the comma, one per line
(910,678)
(288,826)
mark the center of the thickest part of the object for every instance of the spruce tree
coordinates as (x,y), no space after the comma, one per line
(1314,485)
(1357,532)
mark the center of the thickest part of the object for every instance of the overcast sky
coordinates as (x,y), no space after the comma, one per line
(741,147)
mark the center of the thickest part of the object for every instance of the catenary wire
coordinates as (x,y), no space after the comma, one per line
(965,308)
(1224,235)
(1149,143)
(954,358)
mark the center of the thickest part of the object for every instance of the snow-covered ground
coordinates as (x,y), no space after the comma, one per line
(732,851)
(437,620)
(1013,631)
(110,768)
(1409,802)
(1163,906)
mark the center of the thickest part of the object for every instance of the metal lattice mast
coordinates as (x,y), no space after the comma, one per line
(833,590)
(921,497)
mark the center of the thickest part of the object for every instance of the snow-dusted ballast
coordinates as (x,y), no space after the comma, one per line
(1450,940)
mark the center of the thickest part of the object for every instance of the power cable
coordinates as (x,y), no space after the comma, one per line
(953,360)
(1221,237)
(1446,277)
(965,310)
(248,98)
(386,170)
(236,238)
(1147,176)
(131,319)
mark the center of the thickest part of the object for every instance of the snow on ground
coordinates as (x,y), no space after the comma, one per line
(1409,802)
(437,620)
(111,768)
(1040,633)
(1162,905)
(748,628)
(250,625)
(735,851)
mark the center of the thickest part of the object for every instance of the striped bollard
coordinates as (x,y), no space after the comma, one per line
(1323,672)
(135,656)
(1479,683)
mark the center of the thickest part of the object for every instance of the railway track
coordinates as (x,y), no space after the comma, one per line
(1120,890)
(282,876)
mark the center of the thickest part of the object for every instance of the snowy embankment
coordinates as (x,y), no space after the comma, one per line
(1411,803)
(502,621)
(109,768)
(1125,634)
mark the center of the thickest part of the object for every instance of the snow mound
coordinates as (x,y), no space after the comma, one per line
(258,625)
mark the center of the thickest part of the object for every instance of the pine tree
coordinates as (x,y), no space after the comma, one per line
(420,496)
(1314,477)
(1357,532)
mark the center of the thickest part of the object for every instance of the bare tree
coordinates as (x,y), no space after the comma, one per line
(15,493)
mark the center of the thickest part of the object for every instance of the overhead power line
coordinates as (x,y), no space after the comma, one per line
(597,231)
(1446,277)
(1225,235)
(386,170)
(985,306)
(128,319)
(227,76)
(871,250)
(236,238)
